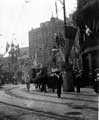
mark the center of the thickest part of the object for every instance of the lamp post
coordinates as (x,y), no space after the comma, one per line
(68,79)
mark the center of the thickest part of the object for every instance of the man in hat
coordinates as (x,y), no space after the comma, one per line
(59,83)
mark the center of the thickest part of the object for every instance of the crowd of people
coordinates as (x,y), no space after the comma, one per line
(53,81)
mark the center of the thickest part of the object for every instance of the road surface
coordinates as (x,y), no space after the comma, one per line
(23,105)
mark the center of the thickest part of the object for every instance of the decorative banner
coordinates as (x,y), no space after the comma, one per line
(72,33)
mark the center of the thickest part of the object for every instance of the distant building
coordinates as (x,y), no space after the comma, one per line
(24,60)
(42,39)
(24,53)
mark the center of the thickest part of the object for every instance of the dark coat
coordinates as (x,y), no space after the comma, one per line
(59,84)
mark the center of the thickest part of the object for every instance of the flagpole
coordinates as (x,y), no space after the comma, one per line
(64,11)
(56,9)
(64,14)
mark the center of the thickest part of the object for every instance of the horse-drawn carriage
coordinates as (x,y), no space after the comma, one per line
(42,79)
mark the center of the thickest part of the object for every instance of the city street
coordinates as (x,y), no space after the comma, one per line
(23,105)
(49,59)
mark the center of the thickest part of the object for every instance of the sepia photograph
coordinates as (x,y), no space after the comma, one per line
(49,59)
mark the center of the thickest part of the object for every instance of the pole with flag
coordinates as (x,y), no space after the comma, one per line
(56,9)
(76,46)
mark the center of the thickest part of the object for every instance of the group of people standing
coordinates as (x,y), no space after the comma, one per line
(57,77)
(53,81)
(77,79)
(58,80)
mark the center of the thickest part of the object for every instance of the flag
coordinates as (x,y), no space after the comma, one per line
(7,46)
(72,34)
(77,36)
(56,9)
(62,54)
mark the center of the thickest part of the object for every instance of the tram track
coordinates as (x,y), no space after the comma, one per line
(41,113)
(82,94)
(63,97)
(8,91)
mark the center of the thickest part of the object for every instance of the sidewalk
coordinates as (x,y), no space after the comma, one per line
(83,91)
(87,94)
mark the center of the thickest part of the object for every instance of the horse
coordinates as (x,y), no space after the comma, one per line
(46,81)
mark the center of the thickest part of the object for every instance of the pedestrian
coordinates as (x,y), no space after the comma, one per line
(27,80)
(44,78)
(54,81)
(59,83)
(78,78)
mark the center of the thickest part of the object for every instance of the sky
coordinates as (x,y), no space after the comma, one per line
(17,17)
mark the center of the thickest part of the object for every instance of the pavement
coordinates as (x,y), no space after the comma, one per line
(72,105)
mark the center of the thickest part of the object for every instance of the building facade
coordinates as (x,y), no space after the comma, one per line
(42,40)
